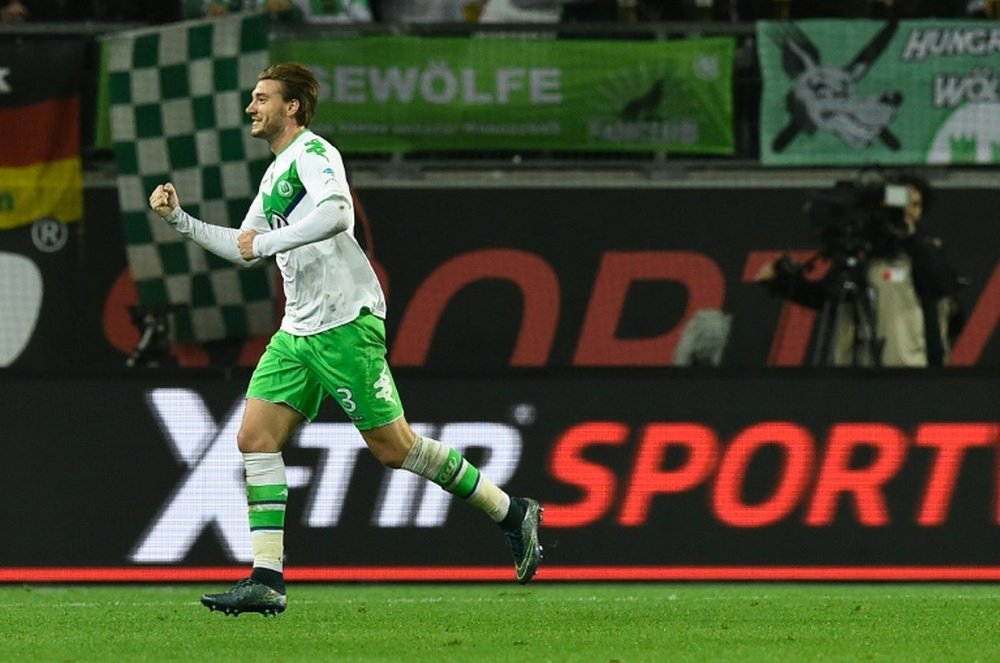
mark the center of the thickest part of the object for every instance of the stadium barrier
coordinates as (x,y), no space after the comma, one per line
(531,276)
(669,474)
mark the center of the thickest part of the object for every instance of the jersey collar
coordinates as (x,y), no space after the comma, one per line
(292,141)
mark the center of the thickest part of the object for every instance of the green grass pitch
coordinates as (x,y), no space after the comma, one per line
(492,622)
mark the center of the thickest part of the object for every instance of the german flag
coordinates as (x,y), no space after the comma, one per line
(40,174)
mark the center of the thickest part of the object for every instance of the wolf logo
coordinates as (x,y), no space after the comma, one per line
(644,107)
(825,97)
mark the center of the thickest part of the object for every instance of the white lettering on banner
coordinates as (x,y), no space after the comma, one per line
(508,80)
(937,42)
(545,85)
(5,87)
(440,84)
(349,85)
(407,129)
(684,132)
(375,128)
(512,128)
(470,94)
(212,494)
(404,84)
(982,86)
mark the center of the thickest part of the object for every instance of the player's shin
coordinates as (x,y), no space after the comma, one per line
(267,495)
(447,468)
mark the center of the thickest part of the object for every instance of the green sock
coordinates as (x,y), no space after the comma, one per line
(267,496)
(447,468)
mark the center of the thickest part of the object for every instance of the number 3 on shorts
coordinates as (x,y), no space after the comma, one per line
(347,400)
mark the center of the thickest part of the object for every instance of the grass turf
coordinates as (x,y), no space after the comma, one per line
(541,622)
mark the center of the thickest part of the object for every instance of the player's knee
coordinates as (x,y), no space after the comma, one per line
(253,440)
(390,457)
(389,445)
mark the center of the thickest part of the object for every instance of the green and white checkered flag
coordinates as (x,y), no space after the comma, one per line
(177,95)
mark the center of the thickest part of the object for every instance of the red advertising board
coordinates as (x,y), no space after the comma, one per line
(665,474)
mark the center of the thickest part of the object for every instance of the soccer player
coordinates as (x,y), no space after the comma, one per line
(331,341)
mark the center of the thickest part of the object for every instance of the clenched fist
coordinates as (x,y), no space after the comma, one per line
(164,199)
(245,243)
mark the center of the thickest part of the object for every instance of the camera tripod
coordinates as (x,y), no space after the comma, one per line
(849,301)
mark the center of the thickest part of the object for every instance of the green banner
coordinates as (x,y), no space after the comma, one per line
(400,94)
(870,92)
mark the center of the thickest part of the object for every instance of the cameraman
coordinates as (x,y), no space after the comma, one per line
(906,278)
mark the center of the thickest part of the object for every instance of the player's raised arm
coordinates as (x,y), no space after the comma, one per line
(321,172)
(330,217)
(220,240)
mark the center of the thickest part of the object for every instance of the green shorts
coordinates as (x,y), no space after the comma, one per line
(346,362)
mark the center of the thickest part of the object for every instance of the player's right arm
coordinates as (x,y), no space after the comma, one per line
(220,240)
(322,174)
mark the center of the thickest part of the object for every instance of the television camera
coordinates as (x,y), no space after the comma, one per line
(855,218)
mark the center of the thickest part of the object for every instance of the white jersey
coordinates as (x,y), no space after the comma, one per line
(327,282)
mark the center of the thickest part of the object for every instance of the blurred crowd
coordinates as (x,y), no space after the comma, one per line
(472,11)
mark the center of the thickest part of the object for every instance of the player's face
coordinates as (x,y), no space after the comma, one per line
(268,110)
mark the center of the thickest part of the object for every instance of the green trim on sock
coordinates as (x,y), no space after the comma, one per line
(467,483)
(272,518)
(273,493)
(448,469)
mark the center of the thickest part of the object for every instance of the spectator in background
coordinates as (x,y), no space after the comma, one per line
(980,8)
(276,9)
(603,11)
(211,9)
(324,11)
(113,11)
(801,9)
(879,9)
(515,11)
(427,11)
(900,9)
(339,11)
(744,10)
(665,10)
(13,11)
(977,9)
